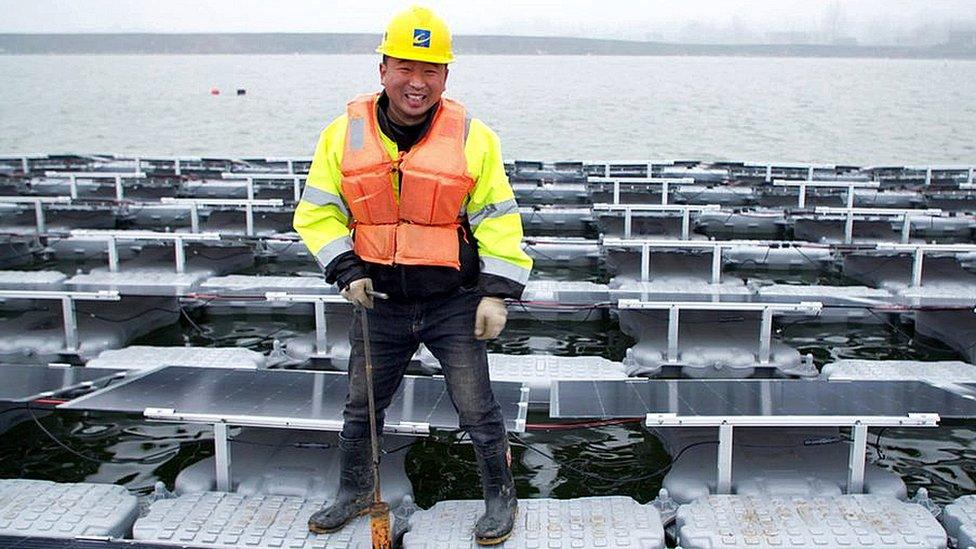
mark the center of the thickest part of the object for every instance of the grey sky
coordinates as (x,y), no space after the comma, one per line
(868,21)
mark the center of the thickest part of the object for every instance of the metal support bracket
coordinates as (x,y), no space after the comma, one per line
(40,222)
(111,238)
(856,460)
(673,319)
(116,176)
(70,324)
(67,298)
(802,185)
(765,329)
(917,259)
(717,248)
(319,301)
(765,335)
(858,424)
(904,213)
(918,251)
(723,484)
(194,203)
(222,457)
(321,335)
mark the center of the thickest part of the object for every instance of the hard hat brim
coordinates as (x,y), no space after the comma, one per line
(416,56)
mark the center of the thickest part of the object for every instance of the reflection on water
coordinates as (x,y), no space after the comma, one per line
(940,459)
(563,338)
(101,447)
(886,340)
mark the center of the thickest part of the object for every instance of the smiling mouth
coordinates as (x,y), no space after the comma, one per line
(415,99)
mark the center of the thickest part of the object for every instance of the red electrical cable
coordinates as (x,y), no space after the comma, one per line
(51,401)
(579,424)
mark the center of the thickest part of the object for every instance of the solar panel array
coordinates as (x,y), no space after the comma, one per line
(270,395)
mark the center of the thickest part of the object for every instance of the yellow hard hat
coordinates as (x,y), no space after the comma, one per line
(417,34)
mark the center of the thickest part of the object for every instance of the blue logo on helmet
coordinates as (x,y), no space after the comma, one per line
(421,38)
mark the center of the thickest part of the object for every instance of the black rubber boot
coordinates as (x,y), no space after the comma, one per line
(355,488)
(501,506)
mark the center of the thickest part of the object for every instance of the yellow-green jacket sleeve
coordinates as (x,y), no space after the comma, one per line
(322,217)
(494,217)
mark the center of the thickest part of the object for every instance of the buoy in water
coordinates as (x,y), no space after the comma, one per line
(241,91)
(214,91)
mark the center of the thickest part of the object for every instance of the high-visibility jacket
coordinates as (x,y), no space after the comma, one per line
(421,228)
(323,217)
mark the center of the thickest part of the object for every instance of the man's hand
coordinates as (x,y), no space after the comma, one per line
(359,293)
(490,318)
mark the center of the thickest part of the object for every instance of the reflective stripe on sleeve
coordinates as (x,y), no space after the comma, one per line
(504,269)
(314,195)
(333,249)
(493,210)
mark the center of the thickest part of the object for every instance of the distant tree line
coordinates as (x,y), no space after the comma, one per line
(321,43)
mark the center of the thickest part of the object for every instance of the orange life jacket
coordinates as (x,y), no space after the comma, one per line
(420,227)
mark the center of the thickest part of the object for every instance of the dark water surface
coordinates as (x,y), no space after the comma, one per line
(602,460)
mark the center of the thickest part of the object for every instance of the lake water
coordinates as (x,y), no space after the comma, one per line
(864,111)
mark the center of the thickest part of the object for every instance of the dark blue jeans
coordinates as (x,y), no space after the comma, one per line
(446,326)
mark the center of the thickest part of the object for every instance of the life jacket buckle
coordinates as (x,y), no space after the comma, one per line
(395,163)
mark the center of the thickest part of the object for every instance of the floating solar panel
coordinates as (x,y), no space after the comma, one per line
(711,402)
(24,383)
(285,398)
(764,403)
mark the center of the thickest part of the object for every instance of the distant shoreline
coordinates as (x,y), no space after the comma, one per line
(340,44)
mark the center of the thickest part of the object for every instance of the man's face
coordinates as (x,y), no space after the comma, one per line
(413,88)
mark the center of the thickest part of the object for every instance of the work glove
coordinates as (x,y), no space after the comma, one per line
(358,293)
(489,320)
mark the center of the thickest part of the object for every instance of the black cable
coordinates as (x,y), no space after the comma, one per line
(29,253)
(589,311)
(614,480)
(261,339)
(799,250)
(132,431)
(877,444)
(200,331)
(130,318)
(399,448)
(80,455)
(911,338)
(311,445)
(200,253)
(14,409)
(755,262)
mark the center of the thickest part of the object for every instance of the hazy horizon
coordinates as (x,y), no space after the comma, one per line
(864,22)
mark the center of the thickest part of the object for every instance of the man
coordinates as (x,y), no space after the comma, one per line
(434,226)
